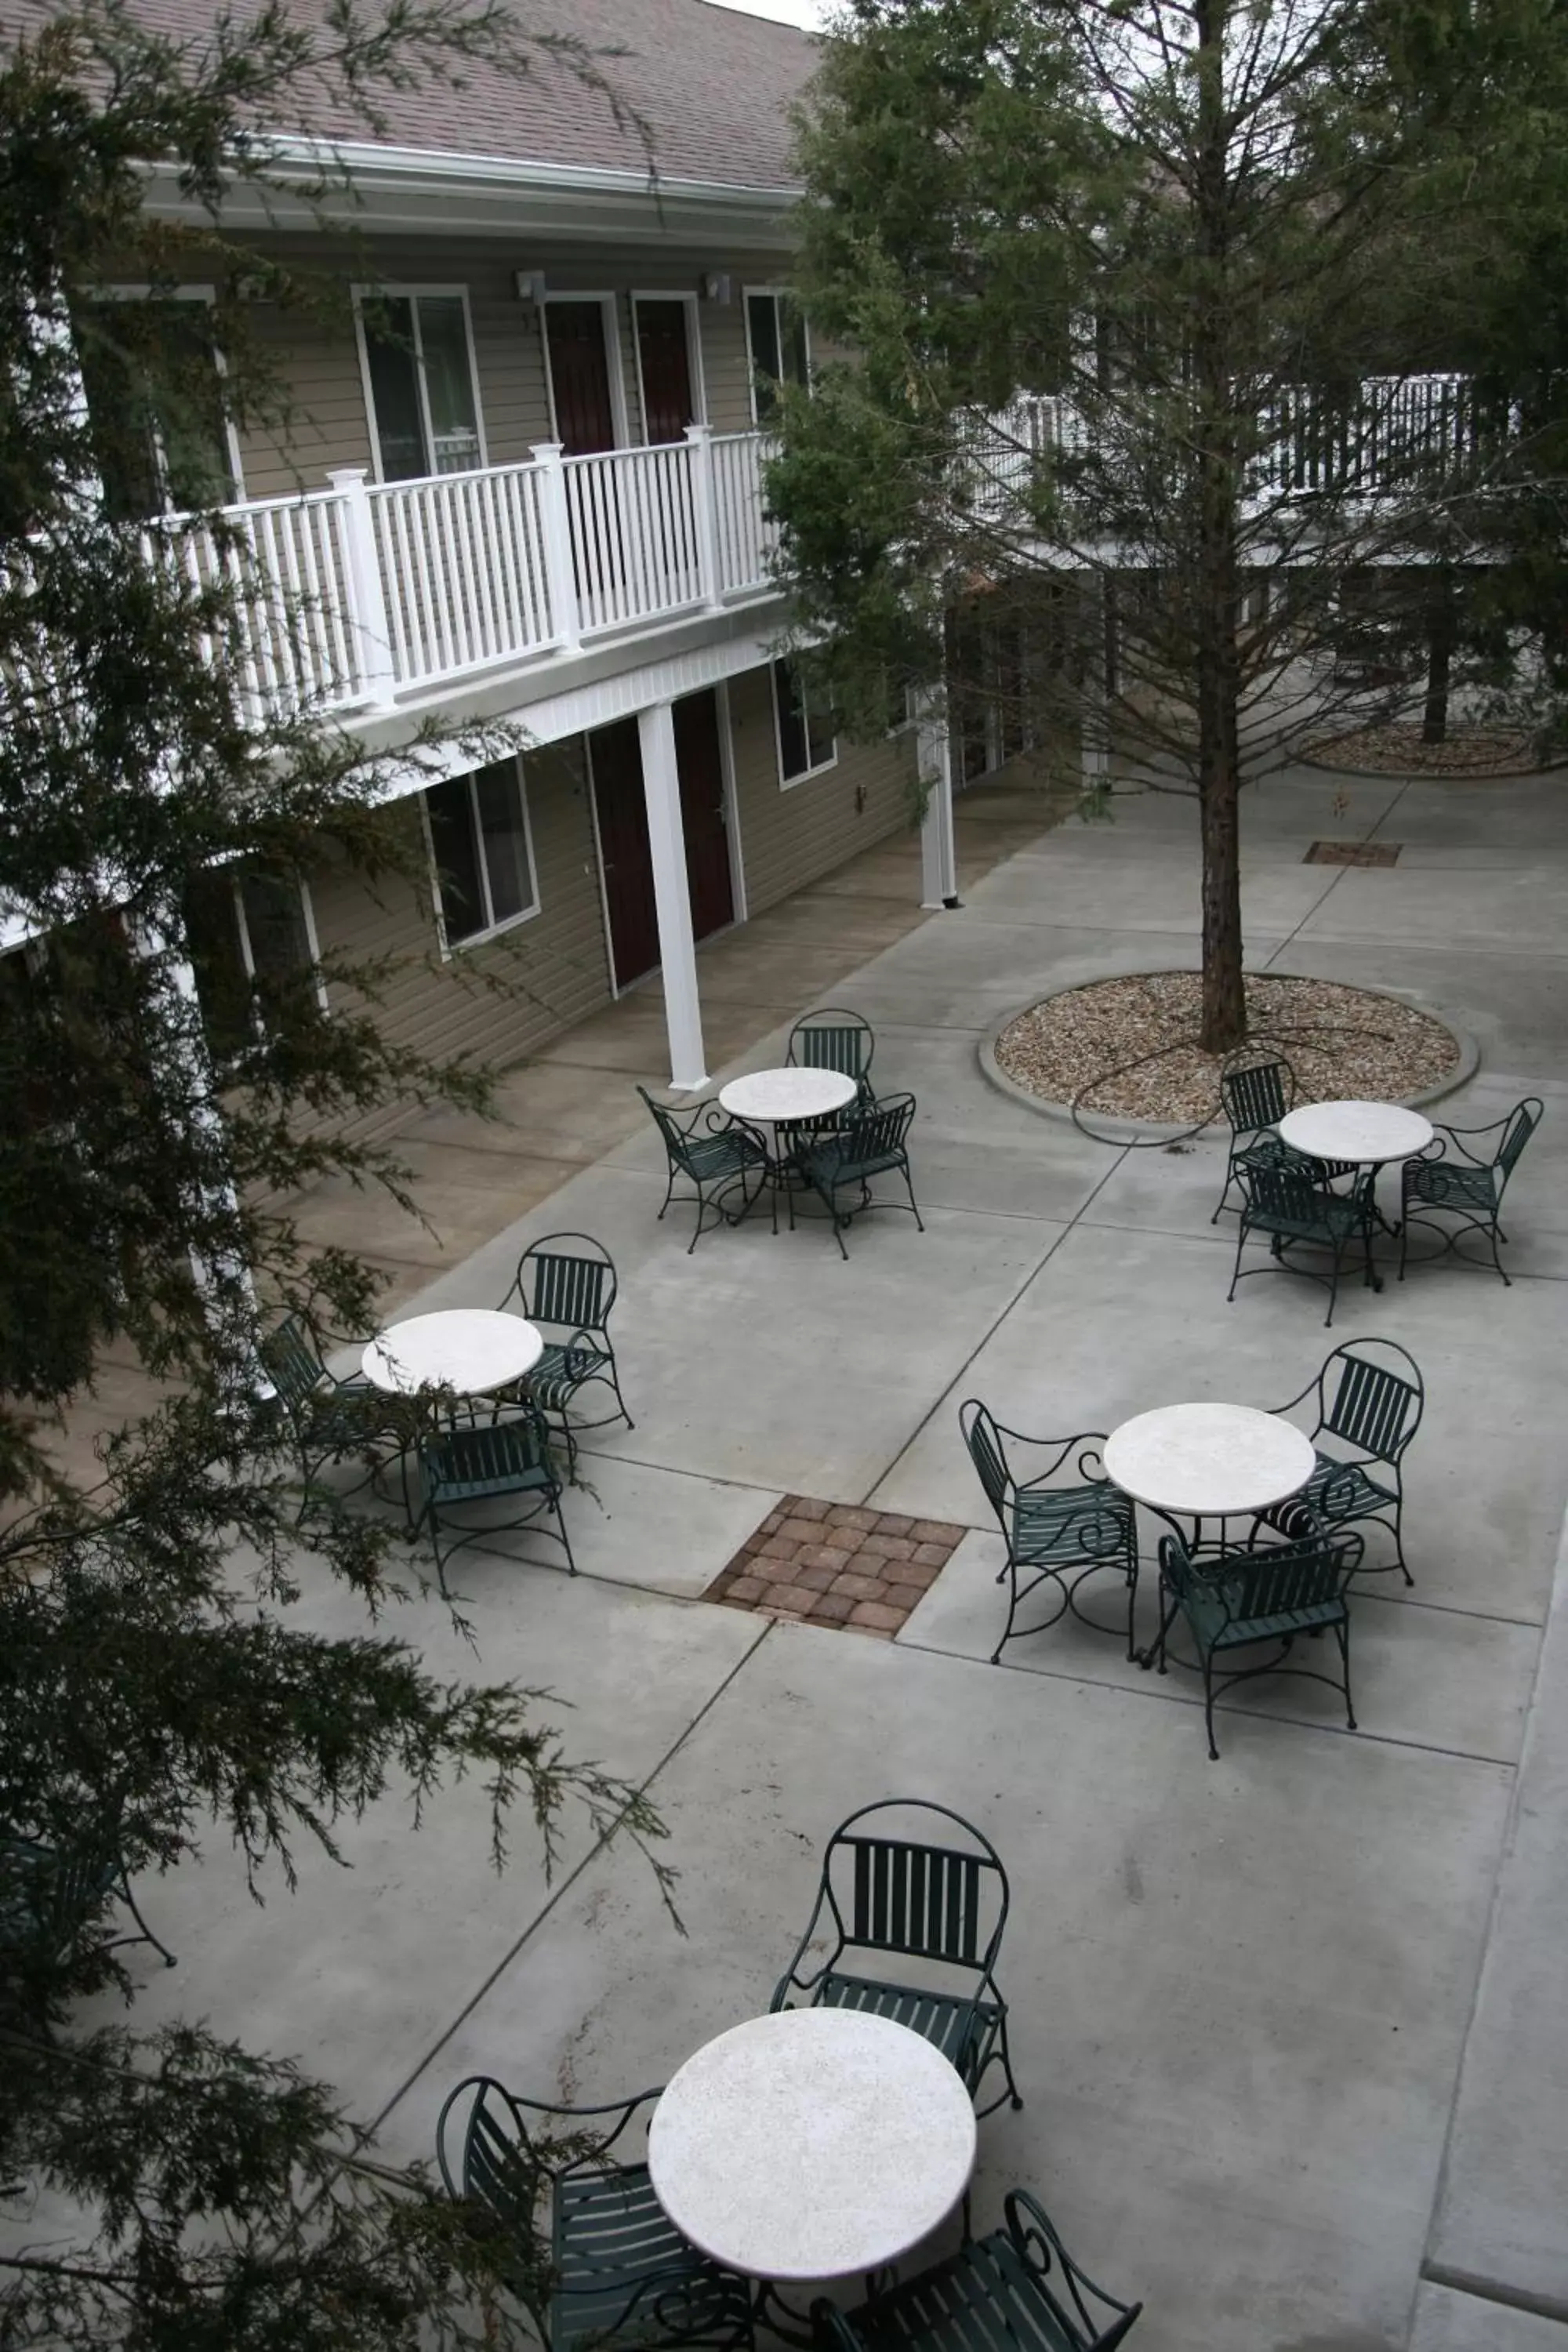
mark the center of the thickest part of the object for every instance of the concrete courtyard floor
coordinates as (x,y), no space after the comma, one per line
(1291,2028)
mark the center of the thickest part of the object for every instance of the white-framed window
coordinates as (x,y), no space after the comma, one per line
(777,349)
(481,847)
(163,440)
(802,729)
(248,929)
(421,380)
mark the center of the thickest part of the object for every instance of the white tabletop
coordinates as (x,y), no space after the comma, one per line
(472,1349)
(812,2145)
(1209,1461)
(1366,1132)
(776,1097)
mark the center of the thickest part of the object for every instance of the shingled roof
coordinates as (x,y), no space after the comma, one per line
(711,86)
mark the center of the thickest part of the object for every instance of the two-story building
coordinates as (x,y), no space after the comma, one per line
(523,485)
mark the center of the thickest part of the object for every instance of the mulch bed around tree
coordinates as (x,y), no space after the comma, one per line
(1397,750)
(836,1564)
(1339,1041)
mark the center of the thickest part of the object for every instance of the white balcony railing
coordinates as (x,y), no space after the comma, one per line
(350,597)
(1402,429)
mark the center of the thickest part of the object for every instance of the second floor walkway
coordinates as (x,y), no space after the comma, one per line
(369,596)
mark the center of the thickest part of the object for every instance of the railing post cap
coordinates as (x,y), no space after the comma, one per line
(347,478)
(548,452)
(703,432)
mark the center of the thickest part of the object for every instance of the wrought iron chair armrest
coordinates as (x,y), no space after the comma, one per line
(1278,1411)
(1451,1139)
(831,2329)
(792,1975)
(1030,2227)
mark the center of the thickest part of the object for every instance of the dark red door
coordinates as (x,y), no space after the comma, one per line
(663,358)
(702,813)
(624,849)
(580,377)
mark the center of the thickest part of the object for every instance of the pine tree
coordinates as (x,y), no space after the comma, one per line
(156,1675)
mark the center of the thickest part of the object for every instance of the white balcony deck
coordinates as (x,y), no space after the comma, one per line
(366,596)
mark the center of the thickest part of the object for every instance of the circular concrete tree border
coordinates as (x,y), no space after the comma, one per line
(1327,767)
(1114,1128)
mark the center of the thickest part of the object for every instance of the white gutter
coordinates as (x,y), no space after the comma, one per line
(432,188)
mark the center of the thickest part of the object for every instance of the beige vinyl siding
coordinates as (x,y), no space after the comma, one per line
(552,967)
(317,358)
(789,838)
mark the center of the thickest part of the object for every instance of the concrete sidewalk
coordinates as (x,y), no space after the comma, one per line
(1259,2091)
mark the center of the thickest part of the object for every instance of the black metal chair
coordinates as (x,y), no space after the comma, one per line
(1255,1096)
(51,1896)
(1298,1209)
(1054,1534)
(1370,1398)
(474,1461)
(717,1155)
(873,1141)
(567,1285)
(1454,1178)
(1018,2290)
(945,1905)
(1231,1599)
(329,1418)
(833,1039)
(597,2262)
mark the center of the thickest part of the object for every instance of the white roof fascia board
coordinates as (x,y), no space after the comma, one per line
(433,191)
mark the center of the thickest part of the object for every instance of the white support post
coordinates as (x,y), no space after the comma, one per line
(361,575)
(672,899)
(939,858)
(225,1282)
(555,522)
(1095,732)
(705,514)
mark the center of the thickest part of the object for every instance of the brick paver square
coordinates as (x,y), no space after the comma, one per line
(840,1564)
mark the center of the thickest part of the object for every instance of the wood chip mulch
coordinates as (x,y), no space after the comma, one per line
(1397,750)
(1339,1041)
(836,1564)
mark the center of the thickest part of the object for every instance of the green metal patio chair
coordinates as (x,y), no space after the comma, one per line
(474,1461)
(1463,1174)
(1018,2290)
(1059,1534)
(716,1155)
(1255,1096)
(872,1141)
(329,1418)
(51,1896)
(1369,1400)
(942,1905)
(833,1039)
(567,1285)
(1297,1209)
(1231,1599)
(616,2271)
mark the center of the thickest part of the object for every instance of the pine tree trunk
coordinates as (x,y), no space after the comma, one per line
(1440,634)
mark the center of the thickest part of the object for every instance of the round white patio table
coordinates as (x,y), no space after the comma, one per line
(1209,1461)
(1366,1133)
(813,2144)
(471,1349)
(776,1097)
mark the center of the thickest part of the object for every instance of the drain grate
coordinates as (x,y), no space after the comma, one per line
(1352,853)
